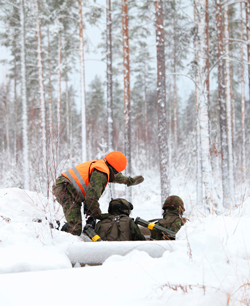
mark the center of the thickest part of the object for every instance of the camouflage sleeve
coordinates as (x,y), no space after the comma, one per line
(122,179)
(156,234)
(176,225)
(135,231)
(97,183)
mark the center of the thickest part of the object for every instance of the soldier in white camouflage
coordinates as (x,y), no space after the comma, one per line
(173,208)
(117,225)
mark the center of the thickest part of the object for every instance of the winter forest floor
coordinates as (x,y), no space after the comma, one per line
(208,264)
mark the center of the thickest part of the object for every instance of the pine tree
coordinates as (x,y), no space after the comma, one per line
(161,101)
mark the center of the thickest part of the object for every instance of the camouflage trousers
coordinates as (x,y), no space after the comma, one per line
(67,196)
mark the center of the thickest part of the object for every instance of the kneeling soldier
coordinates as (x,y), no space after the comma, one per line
(117,225)
(173,208)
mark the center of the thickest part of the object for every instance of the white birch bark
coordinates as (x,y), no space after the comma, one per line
(109,85)
(7,126)
(109,75)
(248,45)
(175,92)
(243,133)
(203,105)
(24,99)
(199,190)
(59,93)
(145,103)
(222,104)
(41,93)
(67,107)
(68,126)
(50,91)
(82,81)
(228,103)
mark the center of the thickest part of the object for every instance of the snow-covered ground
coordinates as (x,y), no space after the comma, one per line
(208,264)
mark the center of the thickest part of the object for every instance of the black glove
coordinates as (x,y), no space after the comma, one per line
(91,221)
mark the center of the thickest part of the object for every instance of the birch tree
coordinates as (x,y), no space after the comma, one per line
(41,94)
(243,133)
(50,90)
(24,98)
(199,187)
(248,37)
(161,101)
(7,121)
(202,103)
(82,80)
(126,80)
(109,74)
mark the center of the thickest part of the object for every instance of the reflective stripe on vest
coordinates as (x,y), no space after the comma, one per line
(75,183)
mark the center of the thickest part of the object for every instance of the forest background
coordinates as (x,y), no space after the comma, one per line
(171,91)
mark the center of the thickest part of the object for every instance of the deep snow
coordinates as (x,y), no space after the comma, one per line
(207,265)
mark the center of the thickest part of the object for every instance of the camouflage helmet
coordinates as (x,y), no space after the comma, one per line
(174,201)
(120,206)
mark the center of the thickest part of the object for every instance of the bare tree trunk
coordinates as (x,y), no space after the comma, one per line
(109,75)
(24,99)
(42,99)
(161,101)
(248,45)
(15,97)
(127,106)
(208,88)
(199,191)
(59,94)
(7,125)
(175,93)
(109,85)
(203,106)
(50,90)
(50,102)
(228,105)
(82,80)
(243,133)
(145,116)
(67,108)
(222,103)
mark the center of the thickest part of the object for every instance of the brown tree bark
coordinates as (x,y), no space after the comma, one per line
(161,101)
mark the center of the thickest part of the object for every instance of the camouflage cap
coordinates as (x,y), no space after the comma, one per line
(120,206)
(174,201)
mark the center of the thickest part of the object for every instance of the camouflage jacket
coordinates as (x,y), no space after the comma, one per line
(95,189)
(172,221)
(118,228)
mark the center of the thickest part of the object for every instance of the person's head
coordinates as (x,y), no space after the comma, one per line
(117,160)
(120,206)
(174,203)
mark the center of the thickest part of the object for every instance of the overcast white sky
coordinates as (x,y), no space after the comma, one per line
(94,65)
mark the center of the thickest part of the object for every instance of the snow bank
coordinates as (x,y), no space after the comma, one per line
(207,265)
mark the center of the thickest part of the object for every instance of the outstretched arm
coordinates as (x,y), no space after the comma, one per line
(129,181)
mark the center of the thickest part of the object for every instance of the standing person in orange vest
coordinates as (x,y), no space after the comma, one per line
(85,183)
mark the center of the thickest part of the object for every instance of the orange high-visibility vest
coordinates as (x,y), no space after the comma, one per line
(79,175)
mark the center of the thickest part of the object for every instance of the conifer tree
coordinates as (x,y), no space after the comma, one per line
(161,101)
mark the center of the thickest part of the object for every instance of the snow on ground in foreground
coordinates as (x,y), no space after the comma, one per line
(207,265)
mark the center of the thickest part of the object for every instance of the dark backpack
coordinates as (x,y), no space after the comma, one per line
(114,228)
